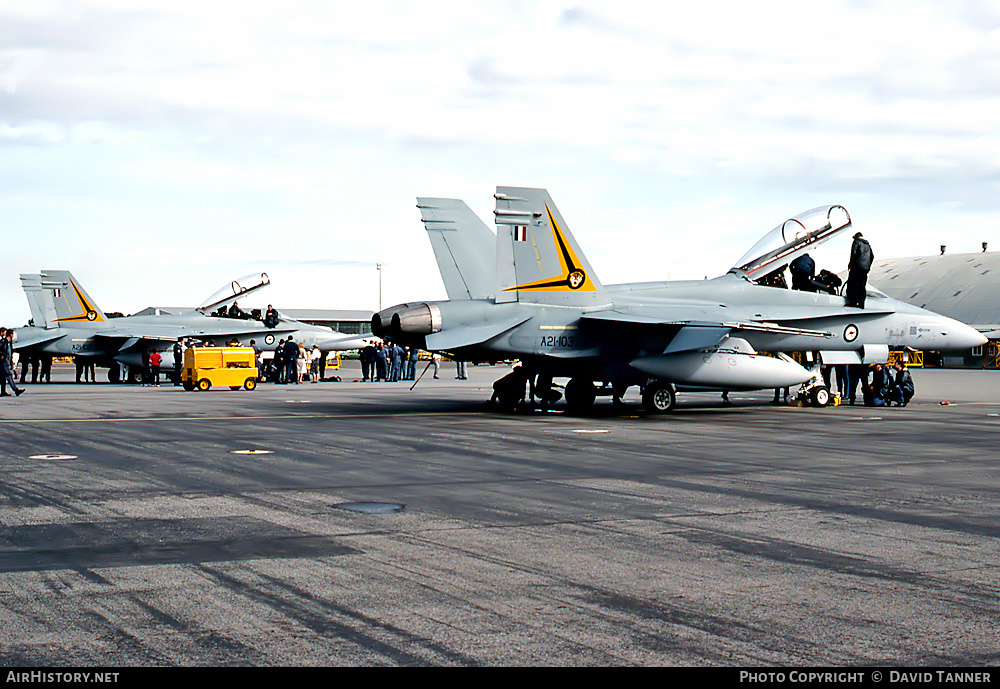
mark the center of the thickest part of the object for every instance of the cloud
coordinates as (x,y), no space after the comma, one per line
(301,136)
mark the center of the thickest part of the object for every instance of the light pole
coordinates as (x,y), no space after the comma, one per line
(378,267)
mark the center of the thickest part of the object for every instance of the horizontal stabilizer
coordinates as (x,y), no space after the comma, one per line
(456,338)
(38,340)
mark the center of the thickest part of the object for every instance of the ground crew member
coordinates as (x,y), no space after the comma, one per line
(858,267)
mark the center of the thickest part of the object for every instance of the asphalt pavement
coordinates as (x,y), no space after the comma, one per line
(360,523)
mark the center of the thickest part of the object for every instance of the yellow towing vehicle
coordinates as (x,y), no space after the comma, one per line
(208,366)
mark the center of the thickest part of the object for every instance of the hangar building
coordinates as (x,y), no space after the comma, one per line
(965,287)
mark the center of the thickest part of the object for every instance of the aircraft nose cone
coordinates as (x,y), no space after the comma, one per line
(961,336)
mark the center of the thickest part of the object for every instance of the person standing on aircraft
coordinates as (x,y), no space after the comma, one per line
(178,359)
(7,363)
(858,267)
(291,359)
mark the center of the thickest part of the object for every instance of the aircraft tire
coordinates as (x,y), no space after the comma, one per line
(580,395)
(249,383)
(659,397)
(820,396)
(204,384)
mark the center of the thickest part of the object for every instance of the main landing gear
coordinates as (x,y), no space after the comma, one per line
(658,396)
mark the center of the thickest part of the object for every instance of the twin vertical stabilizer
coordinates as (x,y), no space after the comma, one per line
(463,246)
(55,297)
(538,259)
(533,258)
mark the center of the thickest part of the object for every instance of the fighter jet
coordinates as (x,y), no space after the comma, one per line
(548,309)
(68,322)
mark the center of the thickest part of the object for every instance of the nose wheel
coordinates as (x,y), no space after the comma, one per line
(659,397)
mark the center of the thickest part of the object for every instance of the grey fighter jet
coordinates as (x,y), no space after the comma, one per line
(548,309)
(68,322)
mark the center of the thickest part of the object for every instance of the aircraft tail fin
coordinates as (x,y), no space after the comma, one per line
(43,312)
(538,259)
(69,300)
(463,246)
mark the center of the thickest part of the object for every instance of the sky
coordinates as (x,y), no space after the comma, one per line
(160,150)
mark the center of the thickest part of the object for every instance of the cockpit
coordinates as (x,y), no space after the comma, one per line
(224,303)
(789,240)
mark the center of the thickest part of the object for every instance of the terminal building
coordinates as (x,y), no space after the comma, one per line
(961,286)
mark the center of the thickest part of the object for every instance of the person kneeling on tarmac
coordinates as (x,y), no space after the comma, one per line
(508,392)
(877,393)
(902,389)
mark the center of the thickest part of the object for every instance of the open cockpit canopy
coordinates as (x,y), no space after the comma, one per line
(791,239)
(237,289)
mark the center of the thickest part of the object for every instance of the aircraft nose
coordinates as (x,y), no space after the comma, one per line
(961,336)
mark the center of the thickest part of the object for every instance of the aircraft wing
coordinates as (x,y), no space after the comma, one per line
(693,334)
(169,333)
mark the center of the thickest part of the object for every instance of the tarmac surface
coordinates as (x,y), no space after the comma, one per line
(365,524)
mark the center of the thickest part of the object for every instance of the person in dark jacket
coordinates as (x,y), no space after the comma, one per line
(381,362)
(880,387)
(902,389)
(290,357)
(368,363)
(857,271)
(178,352)
(271,317)
(803,269)
(397,362)
(278,362)
(7,363)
